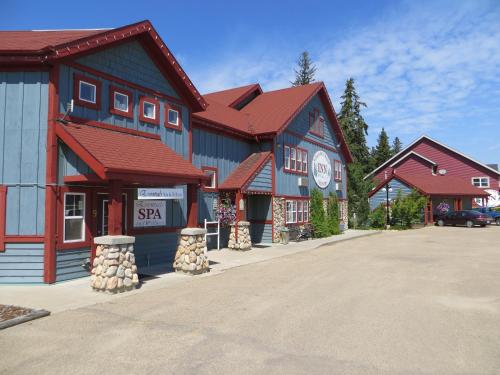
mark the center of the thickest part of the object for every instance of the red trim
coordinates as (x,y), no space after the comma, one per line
(102,125)
(130,110)
(305,138)
(115,208)
(91,177)
(77,78)
(24,239)
(49,269)
(214,169)
(3,212)
(124,82)
(261,221)
(140,231)
(190,138)
(192,217)
(156,102)
(297,150)
(172,107)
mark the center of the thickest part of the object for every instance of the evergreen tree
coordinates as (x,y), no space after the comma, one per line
(357,196)
(353,124)
(305,72)
(333,214)
(318,217)
(383,151)
(396,146)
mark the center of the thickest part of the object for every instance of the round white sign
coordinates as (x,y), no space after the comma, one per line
(321,169)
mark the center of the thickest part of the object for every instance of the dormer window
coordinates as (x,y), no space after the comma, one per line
(149,110)
(86,91)
(173,117)
(121,102)
(316,123)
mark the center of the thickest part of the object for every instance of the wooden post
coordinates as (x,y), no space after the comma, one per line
(426,213)
(431,209)
(192,192)
(115,224)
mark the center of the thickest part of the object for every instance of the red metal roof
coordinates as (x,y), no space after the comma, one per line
(242,174)
(116,155)
(429,184)
(233,96)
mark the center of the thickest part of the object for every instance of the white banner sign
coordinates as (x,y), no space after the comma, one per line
(147,193)
(321,169)
(150,213)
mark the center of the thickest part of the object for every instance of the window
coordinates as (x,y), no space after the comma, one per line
(212,173)
(121,102)
(297,211)
(291,212)
(86,91)
(483,182)
(74,217)
(295,160)
(173,117)
(149,110)
(316,123)
(338,170)
(300,213)
(306,211)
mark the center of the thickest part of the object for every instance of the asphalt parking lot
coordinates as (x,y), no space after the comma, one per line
(424,301)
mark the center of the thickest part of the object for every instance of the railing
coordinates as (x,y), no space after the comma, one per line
(207,223)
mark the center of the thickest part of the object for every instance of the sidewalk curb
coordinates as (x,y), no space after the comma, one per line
(35,314)
(347,239)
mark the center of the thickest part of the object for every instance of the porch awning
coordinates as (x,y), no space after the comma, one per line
(243,175)
(133,157)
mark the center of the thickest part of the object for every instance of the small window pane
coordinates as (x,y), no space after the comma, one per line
(73,229)
(293,167)
(299,211)
(304,161)
(287,157)
(149,110)
(87,92)
(173,117)
(213,178)
(121,102)
(299,160)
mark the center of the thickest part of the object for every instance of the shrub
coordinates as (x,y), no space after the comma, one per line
(318,217)
(378,217)
(332,212)
(406,210)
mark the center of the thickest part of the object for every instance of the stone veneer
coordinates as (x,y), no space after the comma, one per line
(278,217)
(191,256)
(114,269)
(343,211)
(242,241)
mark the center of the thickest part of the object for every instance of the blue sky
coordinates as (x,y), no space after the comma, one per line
(422,67)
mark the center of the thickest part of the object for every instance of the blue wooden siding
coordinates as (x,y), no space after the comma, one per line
(23,135)
(176,140)
(287,183)
(69,163)
(380,196)
(264,179)
(22,263)
(155,250)
(259,207)
(69,264)
(261,233)
(215,150)
(206,202)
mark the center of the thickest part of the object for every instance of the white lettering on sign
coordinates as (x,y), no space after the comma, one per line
(321,169)
(148,193)
(150,213)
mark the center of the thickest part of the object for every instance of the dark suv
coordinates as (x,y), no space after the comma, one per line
(468,218)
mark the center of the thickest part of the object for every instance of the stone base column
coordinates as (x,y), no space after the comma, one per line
(278,217)
(114,268)
(239,237)
(191,256)
(344,212)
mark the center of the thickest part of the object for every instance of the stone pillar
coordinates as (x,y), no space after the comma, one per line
(278,217)
(239,237)
(343,206)
(191,256)
(114,268)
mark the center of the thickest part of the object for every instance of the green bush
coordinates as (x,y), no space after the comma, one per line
(332,213)
(378,217)
(318,217)
(406,211)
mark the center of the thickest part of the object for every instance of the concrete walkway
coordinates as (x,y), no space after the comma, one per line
(77,293)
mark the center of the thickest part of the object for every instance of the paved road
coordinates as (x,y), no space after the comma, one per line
(417,302)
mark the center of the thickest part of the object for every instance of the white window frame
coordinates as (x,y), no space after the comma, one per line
(80,91)
(168,117)
(287,157)
(213,178)
(291,212)
(144,110)
(299,161)
(338,170)
(304,161)
(114,101)
(300,209)
(305,207)
(293,159)
(82,217)
(480,181)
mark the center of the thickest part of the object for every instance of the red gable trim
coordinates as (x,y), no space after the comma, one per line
(3,212)
(251,89)
(412,153)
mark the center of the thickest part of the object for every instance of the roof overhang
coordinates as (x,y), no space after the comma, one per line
(410,154)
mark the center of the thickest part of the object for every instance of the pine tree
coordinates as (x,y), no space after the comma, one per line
(396,146)
(305,72)
(357,196)
(353,124)
(318,217)
(333,214)
(383,151)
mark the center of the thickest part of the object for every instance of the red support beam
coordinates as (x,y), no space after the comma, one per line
(192,192)
(115,224)
(49,269)
(3,212)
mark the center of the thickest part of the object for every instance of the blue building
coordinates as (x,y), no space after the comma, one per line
(91,119)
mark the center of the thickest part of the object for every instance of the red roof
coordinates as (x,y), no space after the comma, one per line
(437,185)
(243,174)
(40,47)
(117,155)
(232,97)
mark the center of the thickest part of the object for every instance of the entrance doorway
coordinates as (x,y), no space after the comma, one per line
(103,212)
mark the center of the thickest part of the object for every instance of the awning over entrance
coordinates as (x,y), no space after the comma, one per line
(253,175)
(138,157)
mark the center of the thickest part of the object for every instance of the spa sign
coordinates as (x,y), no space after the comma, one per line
(321,169)
(150,213)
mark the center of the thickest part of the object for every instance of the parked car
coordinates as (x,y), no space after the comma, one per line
(468,218)
(491,212)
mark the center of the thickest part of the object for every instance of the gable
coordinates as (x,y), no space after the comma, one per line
(129,61)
